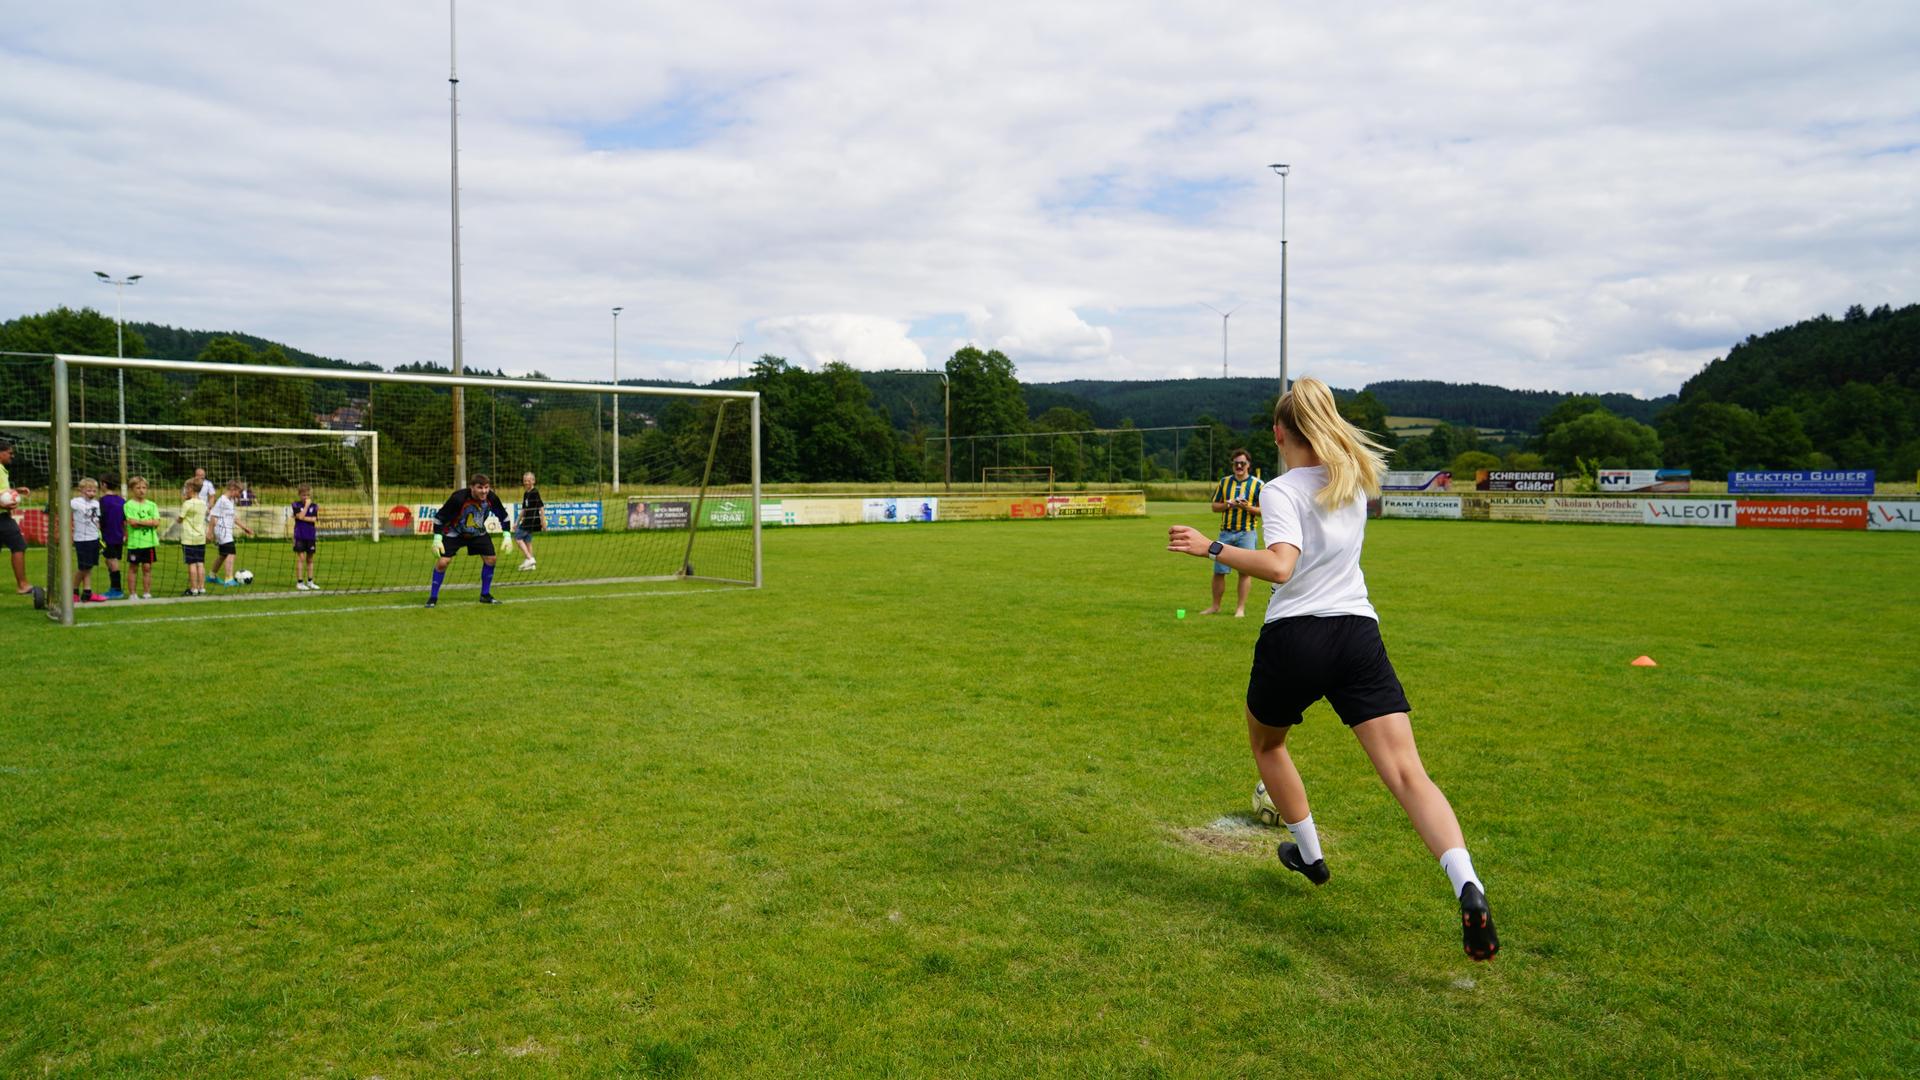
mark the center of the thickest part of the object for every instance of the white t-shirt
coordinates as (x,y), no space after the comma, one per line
(86,518)
(221,516)
(1327,579)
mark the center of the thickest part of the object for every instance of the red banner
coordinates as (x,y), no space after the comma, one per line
(1801,514)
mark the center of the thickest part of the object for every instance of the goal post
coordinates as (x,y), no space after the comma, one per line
(372,470)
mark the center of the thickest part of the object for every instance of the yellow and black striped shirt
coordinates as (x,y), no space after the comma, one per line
(1229,489)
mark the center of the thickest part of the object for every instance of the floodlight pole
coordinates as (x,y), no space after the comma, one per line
(459,368)
(616,399)
(120,352)
(1224,316)
(731,353)
(1283,170)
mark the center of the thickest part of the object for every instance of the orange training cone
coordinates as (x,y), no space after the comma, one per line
(1644,661)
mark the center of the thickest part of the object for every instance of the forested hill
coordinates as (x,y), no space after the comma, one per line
(1480,405)
(1180,401)
(1158,402)
(172,343)
(1825,392)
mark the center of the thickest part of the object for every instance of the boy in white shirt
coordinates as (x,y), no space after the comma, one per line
(86,539)
(224,518)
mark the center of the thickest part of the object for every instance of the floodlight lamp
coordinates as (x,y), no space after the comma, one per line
(135,278)
(1280,168)
(101,275)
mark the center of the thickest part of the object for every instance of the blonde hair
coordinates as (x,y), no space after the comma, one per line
(84,481)
(1354,460)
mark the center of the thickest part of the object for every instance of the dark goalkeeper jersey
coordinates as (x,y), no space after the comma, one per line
(465,515)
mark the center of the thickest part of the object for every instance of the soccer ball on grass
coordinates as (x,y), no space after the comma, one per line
(1263,807)
(244,577)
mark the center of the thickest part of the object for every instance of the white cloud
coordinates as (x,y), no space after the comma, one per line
(1547,196)
(861,341)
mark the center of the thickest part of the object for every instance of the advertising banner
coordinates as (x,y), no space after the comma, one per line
(333,521)
(1903,516)
(1416,481)
(770,512)
(423,519)
(659,513)
(916,508)
(1495,480)
(1802,514)
(727,513)
(1076,506)
(566,516)
(1714,512)
(1409,506)
(1525,508)
(1596,511)
(399,521)
(821,511)
(1802,482)
(1625,480)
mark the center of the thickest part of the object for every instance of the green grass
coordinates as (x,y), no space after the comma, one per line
(940,801)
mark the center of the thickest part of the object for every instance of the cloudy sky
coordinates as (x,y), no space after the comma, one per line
(1564,196)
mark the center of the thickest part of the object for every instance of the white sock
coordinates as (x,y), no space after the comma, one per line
(1308,838)
(1459,867)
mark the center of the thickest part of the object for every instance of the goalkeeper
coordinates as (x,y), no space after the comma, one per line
(462,524)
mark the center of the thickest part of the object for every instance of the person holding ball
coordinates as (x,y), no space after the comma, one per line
(1322,639)
(1235,499)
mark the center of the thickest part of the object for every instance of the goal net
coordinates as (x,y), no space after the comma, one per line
(335,479)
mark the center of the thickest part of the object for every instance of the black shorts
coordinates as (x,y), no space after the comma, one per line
(303,547)
(139,556)
(193,554)
(110,550)
(481,545)
(1300,660)
(10,536)
(86,553)
(226,549)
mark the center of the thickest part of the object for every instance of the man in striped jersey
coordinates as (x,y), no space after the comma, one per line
(1236,498)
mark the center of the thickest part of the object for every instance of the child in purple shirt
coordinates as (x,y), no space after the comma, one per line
(113,531)
(306,531)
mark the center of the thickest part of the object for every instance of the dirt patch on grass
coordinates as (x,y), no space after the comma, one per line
(1231,835)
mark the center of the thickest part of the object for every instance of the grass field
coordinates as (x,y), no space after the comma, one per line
(967,800)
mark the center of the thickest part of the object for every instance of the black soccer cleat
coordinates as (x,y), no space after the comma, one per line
(1476,924)
(488,598)
(433,602)
(1315,871)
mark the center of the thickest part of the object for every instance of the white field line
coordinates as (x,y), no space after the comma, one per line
(383,607)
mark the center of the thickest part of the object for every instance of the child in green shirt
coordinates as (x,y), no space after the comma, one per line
(193,538)
(143,538)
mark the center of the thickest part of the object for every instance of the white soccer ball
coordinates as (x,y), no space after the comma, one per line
(244,577)
(9,499)
(1263,807)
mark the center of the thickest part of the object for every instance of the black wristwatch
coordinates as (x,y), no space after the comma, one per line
(1213,549)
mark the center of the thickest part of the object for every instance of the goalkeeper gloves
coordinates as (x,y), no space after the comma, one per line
(439,546)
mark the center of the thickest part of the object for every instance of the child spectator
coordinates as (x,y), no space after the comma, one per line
(193,537)
(306,517)
(533,518)
(86,538)
(225,519)
(143,537)
(113,531)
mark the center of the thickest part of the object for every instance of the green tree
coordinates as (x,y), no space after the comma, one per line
(987,400)
(1603,439)
(1468,464)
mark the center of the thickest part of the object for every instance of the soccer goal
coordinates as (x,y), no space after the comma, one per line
(1019,477)
(621,484)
